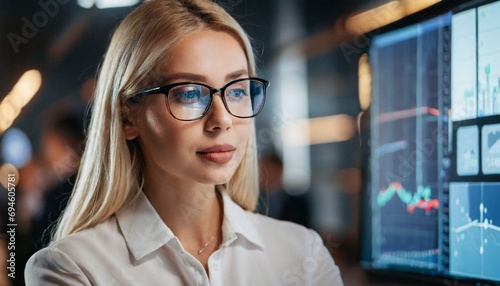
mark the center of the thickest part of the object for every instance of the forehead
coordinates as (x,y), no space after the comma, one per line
(207,53)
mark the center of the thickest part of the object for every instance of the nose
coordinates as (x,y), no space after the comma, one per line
(218,118)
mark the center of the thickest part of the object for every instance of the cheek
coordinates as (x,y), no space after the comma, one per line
(155,131)
(153,126)
(167,136)
(243,132)
(244,129)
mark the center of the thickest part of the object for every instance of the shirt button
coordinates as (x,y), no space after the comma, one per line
(215,265)
(199,277)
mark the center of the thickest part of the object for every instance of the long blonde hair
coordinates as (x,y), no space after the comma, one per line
(111,173)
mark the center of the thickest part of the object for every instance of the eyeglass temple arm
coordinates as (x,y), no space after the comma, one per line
(141,95)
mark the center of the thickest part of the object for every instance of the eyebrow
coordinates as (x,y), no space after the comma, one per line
(236,74)
(201,78)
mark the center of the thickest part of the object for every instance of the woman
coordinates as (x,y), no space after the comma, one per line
(168,178)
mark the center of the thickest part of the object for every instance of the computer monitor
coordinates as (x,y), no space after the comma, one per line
(431,196)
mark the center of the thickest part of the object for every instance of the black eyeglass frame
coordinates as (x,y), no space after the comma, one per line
(166,89)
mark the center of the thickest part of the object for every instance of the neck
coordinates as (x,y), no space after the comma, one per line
(192,211)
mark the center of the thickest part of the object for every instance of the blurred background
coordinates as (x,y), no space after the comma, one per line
(308,134)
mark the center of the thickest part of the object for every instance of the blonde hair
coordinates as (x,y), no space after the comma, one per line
(111,174)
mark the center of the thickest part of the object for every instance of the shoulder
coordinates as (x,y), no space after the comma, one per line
(52,264)
(263,230)
(301,250)
(69,260)
(96,238)
(287,237)
(284,231)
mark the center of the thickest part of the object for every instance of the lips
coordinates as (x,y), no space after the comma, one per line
(218,153)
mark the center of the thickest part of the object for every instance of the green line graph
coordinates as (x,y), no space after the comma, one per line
(420,199)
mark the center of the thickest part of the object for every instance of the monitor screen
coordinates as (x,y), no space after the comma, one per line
(432,172)
(474,188)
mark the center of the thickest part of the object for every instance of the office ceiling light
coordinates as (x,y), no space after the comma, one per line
(384,14)
(364,82)
(24,90)
(320,130)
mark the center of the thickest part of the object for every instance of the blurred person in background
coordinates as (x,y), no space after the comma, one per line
(30,190)
(168,181)
(61,147)
(32,185)
(45,184)
(274,200)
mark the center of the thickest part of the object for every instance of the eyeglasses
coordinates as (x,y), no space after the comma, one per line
(188,101)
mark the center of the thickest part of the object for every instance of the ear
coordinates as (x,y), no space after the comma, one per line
(129,123)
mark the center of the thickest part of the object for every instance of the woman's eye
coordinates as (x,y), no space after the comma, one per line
(236,94)
(188,96)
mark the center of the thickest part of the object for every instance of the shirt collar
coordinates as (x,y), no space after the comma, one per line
(236,221)
(144,231)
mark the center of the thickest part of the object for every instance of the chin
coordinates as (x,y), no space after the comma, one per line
(220,177)
(221,181)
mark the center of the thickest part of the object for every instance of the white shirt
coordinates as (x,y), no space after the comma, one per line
(135,247)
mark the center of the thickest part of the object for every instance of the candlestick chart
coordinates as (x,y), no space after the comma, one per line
(408,224)
(421,199)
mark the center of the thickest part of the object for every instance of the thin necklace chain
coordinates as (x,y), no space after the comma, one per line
(206,244)
(213,235)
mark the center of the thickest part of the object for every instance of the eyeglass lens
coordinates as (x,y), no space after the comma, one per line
(243,98)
